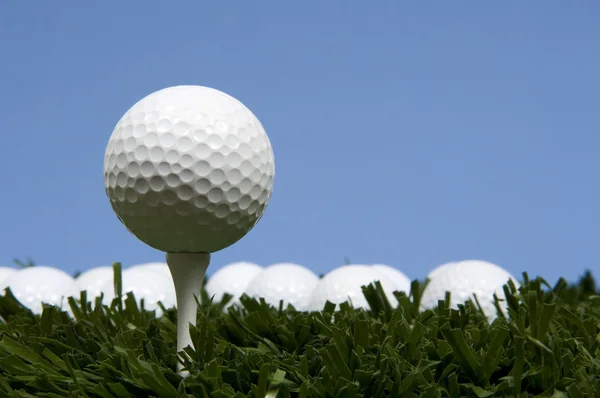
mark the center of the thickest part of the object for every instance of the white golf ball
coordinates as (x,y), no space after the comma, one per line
(189,169)
(5,272)
(464,279)
(401,281)
(93,280)
(345,284)
(33,286)
(160,267)
(232,279)
(147,284)
(291,283)
(439,268)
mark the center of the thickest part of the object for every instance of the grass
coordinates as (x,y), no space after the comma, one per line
(549,347)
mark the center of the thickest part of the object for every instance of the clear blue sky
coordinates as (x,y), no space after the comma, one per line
(405,133)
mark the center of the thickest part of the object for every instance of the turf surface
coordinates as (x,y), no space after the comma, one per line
(549,347)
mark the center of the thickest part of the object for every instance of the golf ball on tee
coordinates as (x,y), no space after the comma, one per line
(93,280)
(189,169)
(147,284)
(33,286)
(232,279)
(464,279)
(345,284)
(291,283)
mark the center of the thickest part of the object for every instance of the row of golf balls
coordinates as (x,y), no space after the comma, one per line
(292,283)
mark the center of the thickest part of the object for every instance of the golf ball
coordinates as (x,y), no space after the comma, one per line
(232,279)
(464,279)
(147,284)
(291,283)
(402,282)
(160,267)
(189,169)
(345,284)
(439,268)
(5,272)
(33,286)
(93,280)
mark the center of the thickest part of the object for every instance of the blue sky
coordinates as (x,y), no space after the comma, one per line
(404,133)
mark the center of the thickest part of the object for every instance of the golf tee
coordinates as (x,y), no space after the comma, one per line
(188,271)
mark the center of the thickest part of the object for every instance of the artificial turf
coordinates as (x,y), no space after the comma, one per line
(547,347)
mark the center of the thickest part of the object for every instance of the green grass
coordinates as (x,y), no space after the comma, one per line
(549,347)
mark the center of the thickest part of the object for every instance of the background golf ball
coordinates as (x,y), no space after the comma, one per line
(464,279)
(189,169)
(147,284)
(93,281)
(33,286)
(160,267)
(232,279)
(291,283)
(439,268)
(402,282)
(5,272)
(345,284)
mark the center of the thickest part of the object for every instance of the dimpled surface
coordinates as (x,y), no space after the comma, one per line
(33,286)
(232,279)
(289,282)
(93,280)
(148,284)
(189,169)
(345,284)
(401,281)
(463,279)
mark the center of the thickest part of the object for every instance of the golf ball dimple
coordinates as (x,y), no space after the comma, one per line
(93,281)
(289,282)
(232,279)
(147,284)
(33,286)
(345,284)
(464,279)
(189,169)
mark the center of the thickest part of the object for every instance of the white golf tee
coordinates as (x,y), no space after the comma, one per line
(187,270)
